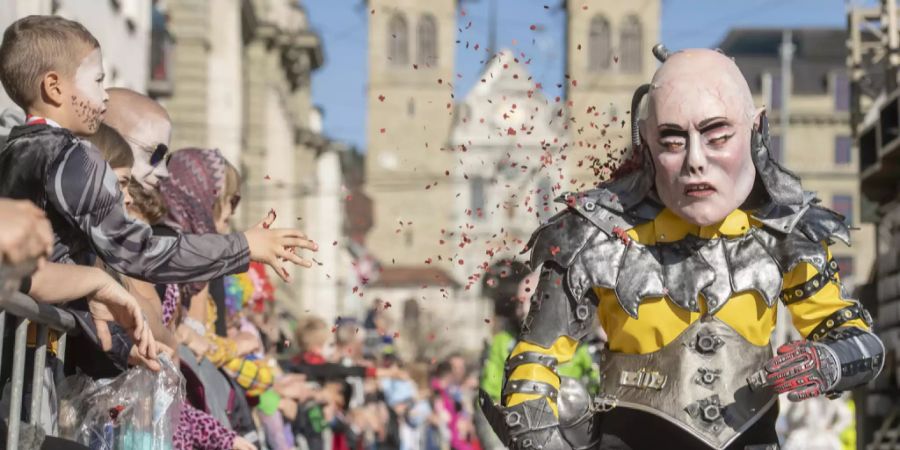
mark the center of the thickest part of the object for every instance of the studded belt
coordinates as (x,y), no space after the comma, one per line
(697,382)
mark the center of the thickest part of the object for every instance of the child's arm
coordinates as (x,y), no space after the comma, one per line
(107,299)
(83,189)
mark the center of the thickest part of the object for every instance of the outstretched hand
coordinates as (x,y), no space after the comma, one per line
(273,246)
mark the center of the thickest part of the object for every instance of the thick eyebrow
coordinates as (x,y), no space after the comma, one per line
(672,126)
(703,123)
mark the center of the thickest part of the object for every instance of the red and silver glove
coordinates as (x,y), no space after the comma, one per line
(803,369)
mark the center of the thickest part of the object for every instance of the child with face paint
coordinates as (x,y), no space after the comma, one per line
(52,68)
(682,260)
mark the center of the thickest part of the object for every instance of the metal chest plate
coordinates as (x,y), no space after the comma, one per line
(697,382)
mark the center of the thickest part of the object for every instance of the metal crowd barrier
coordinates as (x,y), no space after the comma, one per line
(46,317)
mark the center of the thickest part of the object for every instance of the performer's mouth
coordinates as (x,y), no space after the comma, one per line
(699,190)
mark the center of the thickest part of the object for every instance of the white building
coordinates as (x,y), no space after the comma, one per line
(122,27)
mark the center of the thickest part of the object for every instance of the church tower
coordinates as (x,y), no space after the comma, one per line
(410,112)
(609,56)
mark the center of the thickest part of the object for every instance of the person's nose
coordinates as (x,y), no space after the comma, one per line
(161,171)
(696,156)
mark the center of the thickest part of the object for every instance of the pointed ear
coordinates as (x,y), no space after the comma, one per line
(51,88)
(757,117)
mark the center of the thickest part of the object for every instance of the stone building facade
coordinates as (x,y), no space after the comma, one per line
(240,71)
(818,145)
(410,112)
(873,65)
(608,57)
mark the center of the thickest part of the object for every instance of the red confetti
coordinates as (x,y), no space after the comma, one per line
(533,27)
(554,250)
(511,131)
(622,235)
(380,98)
(267,177)
(382,131)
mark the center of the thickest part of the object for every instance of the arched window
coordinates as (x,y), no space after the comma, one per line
(631,45)
(599,47)
(427,41)
(398,40)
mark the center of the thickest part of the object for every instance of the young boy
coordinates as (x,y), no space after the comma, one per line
(52,68)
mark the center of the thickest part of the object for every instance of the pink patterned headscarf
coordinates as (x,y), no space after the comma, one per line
(196,179)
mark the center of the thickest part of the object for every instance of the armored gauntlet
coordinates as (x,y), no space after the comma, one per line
(835,360)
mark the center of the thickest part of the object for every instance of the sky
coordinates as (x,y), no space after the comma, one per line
(339,86)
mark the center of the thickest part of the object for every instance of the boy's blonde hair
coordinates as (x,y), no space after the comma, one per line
(35,45)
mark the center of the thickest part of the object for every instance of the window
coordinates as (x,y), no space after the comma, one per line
(161,51)
(599,50)
(477,197)
(841,91)
(842,148)
(630,45)
(845,265)
(427,40)
(775,148)
(843,205)
(398,40)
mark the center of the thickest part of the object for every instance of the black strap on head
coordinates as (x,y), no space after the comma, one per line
(662,54)
(635,117)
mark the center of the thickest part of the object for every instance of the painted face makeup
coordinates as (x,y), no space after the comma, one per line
(149,143)
(698,130)
(88,99)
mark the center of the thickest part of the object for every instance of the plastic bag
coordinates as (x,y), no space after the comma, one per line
(137,410)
